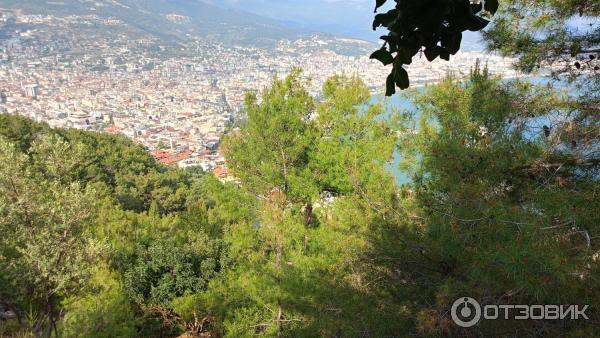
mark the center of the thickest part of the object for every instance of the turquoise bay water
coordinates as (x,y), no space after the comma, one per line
(398,103)
(402,102)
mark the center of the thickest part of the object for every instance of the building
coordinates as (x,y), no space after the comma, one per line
(79,118)
(176,158)
(32,90)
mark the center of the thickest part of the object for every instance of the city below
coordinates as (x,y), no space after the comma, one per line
(176,99)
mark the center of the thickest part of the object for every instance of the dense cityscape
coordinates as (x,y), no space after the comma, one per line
(176,99)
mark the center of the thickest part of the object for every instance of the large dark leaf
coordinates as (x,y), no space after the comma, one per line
(444,55)
(404,56)
(477,24)
(379,3)
(390,85)
(401,77)
(383,56)
(385,20)
(452,43)
(491,6)
(432,52)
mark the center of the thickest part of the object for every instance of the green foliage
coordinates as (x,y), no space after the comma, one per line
(221,204)
(167,189)
(166,268)
(432,27)
(19,130)
(270,152)
(541,31)
(297,265)
(47,249)
(354,142)
(491,223)
(118,169)
(66,194)
(318,240)
(104,312)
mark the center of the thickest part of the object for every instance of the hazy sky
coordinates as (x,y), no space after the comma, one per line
(340,17)
(344,18)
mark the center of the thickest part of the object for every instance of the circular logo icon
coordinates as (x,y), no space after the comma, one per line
(466,312)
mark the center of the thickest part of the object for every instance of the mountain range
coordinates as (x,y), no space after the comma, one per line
(170,19)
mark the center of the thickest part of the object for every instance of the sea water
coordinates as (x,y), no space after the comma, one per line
(403,102)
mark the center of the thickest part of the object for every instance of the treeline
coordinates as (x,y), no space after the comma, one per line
(99,240)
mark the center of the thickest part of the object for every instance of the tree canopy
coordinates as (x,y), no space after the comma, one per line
(497,221)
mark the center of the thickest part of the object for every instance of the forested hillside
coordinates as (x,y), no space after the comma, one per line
(317,239)
(100,240)
(94,230)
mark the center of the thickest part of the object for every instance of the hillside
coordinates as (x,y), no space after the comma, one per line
(169,19)
(99,240)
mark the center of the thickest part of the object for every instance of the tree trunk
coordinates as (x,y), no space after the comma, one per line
(278,255)
(279,319)
(285,173)
(308,214)
(50,316)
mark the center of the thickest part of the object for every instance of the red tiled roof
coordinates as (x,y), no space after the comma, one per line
(160,154)
(176,158)
(221,172)
(112,130)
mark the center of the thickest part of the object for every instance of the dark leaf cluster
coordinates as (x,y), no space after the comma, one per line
(431,27)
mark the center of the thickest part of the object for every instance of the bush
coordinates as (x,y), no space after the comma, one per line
(107,313)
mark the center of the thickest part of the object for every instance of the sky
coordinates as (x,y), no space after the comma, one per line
(346,18)
(342,18)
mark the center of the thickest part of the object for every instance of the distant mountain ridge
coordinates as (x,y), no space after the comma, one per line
(170,19)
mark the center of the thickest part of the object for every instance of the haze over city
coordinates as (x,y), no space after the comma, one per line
(172,79)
